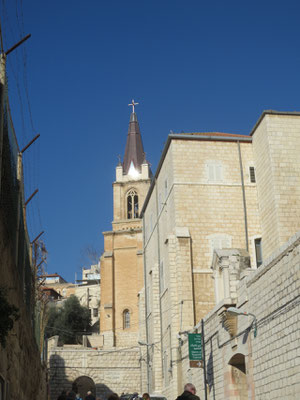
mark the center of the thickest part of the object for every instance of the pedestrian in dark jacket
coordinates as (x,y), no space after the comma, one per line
(71,395)
(90,396)
(113,396)
(62,396)
(189,393)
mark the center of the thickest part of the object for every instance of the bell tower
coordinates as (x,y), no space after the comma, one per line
(122,260)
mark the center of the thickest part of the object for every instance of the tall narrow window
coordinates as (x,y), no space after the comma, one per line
(95,312)
(132,204)
(258,251)
(126,319)
(252,174)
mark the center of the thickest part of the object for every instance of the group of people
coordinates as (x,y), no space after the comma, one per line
(71,395)
(189,393)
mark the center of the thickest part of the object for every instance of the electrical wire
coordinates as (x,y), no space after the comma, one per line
(17,73)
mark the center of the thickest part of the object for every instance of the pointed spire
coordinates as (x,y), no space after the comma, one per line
(134,151)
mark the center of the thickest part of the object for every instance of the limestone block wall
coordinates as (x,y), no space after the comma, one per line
(22,373)
(122,278)
(276,146)
(112,371)
(212,209)
(181,225)
(271,359)
(142,338)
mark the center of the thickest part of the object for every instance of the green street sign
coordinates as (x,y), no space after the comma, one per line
(195,346)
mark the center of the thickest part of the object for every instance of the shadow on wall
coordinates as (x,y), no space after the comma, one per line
(210,372)
(82,383)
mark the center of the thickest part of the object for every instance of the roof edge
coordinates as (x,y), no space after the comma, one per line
(180,136)
(272,112)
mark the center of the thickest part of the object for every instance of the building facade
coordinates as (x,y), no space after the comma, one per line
(212,191)
(252,356)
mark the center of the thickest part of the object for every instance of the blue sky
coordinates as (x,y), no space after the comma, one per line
(192,66)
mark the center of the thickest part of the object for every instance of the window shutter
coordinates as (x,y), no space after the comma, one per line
(218,172)
(211,172)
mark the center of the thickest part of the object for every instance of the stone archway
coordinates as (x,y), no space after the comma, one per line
(82,385)
(239,377)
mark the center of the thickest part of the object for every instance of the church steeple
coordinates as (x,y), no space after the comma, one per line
(134,152)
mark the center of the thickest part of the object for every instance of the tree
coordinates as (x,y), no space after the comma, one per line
(70,321)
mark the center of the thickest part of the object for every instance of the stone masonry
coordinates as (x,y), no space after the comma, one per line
(271,359)
(112,370)
(189,212)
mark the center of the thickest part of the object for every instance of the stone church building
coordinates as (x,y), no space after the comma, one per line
(122,261)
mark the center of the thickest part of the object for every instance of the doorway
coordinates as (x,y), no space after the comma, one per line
(239,377)
(82,385)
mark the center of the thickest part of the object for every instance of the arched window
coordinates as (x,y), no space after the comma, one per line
(126,319)
(132,204)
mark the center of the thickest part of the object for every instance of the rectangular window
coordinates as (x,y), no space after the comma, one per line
(258,252)
(252,174)
(214,171)
(95,312)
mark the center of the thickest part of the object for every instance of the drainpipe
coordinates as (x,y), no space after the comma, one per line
(159,260)
(146,306)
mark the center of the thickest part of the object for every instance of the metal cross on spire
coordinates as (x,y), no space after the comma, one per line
(133,104)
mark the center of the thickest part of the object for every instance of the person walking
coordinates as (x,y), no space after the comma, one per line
(189,393)
(63,395)
(113,396)
(71,395)
(90,396)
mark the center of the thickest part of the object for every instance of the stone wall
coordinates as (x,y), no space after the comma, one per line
(111,371)
(22,374)
(276,148)
(271,359)
(187,215)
